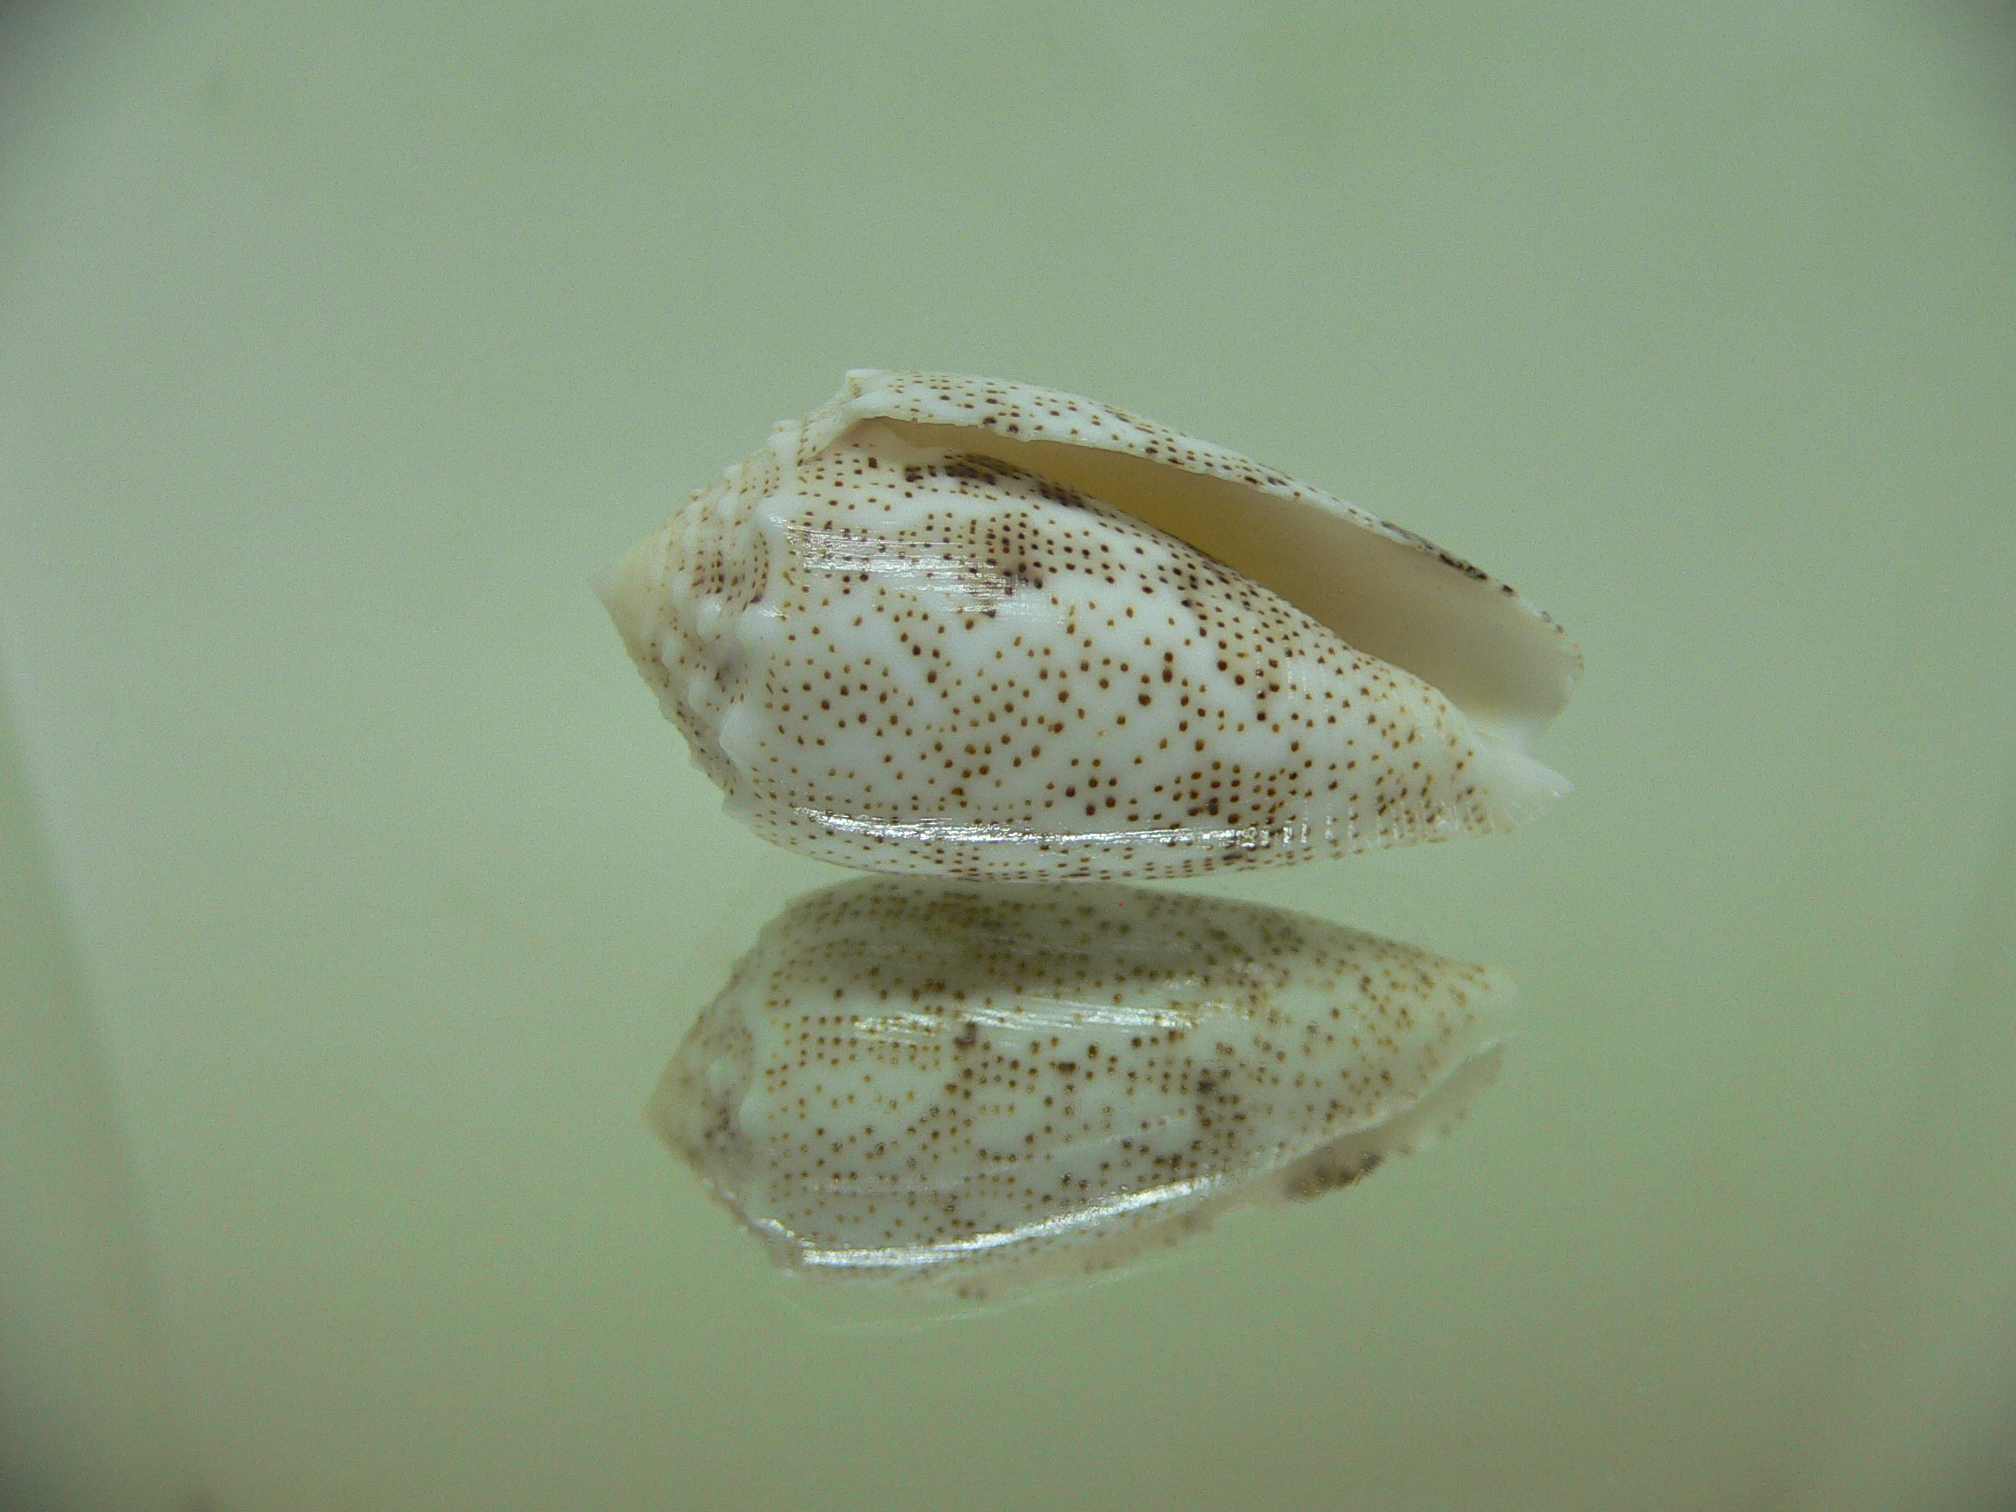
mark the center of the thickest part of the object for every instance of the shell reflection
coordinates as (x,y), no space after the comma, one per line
(975,1087)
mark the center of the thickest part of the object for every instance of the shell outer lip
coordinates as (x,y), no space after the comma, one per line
(1387,590)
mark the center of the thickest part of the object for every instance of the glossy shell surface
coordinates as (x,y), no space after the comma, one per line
(955,626)
(972,1088)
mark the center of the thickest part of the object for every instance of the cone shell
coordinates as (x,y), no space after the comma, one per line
(973,1088)
(977,629)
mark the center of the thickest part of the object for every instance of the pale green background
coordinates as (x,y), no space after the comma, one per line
(341,342)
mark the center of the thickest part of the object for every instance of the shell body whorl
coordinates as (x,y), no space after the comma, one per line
(896,651)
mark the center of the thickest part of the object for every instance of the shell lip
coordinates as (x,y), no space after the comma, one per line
(1386,590)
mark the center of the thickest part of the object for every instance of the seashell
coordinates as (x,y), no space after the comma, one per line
(969,1088)
(978,629)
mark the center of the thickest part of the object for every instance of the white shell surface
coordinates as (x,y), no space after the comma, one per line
(911,644)
(975,1087)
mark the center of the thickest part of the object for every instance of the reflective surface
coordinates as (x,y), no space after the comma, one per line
(339,346)
(969,1089)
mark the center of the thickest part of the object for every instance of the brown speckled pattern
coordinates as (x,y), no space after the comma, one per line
(924,661)
(1506,652)
(985,1086)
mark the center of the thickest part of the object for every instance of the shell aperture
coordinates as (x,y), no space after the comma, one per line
(970,1088)
(959,627)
